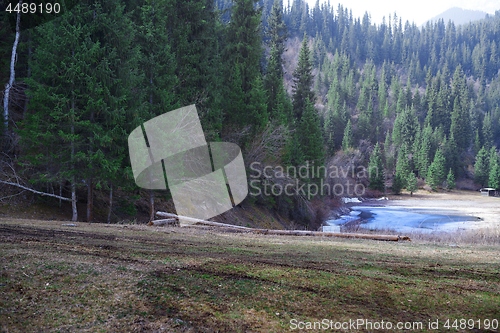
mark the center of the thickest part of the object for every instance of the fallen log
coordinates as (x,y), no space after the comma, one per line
(393,238)
(194,221)
(174,222)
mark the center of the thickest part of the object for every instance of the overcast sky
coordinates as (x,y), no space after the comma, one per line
(418,11)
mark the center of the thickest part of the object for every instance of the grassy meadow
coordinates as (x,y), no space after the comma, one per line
(126,278)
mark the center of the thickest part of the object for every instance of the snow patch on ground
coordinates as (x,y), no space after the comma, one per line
(351,200)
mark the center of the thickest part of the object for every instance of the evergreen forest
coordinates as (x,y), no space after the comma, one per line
(292,85)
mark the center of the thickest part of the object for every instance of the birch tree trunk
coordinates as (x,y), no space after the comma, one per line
(12,77)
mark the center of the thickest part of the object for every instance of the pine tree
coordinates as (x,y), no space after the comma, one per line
(329,132)
(403,169)
(412,183)
(310,136)
(494,169)
(450,180)
(302,81)
(79,90)
(273,81)
(451,154)
(481,167)
(406,127)
(347,138)
(477,142)
(294,155)
(389,152)
(194,36)
(257,105)
(460,126)
(494,176)
(424,153)
(436,173)
(158,66)
(242,54)
(236,100)
(376,170)
(487,131)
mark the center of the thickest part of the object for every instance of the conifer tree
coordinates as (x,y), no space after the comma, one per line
(494,169)
(481,167)
(157,66)
(194,36)
(403,169)
(389,152)
(451,154)
(450,180)
(487,131)
(302,81)
(376,170)
(424,153)
(277,98)
(329,132)
(294,155)
(242,55)
(494,176)
(460,126)
(347,138)
(412,183)
(436,173)
(406,127)
(310,136)
(78,94)
(257,105)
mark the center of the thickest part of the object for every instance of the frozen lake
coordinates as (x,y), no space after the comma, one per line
(402,219)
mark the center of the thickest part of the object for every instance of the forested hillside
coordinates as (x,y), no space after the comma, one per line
(414,104)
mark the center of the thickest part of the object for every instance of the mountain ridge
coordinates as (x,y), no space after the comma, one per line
(459,16)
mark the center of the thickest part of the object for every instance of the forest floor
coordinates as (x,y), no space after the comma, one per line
(134,278)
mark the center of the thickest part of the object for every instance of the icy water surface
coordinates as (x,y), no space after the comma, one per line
(403,219)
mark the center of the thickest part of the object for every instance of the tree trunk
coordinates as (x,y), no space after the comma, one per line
(90,200)
(73,200)
(12,77)
(26,101)
(73,180)
(164,222)
(151,205)
(110,203)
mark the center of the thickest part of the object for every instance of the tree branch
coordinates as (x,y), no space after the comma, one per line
(35,191)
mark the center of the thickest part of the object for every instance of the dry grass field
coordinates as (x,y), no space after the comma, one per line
(126,278)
